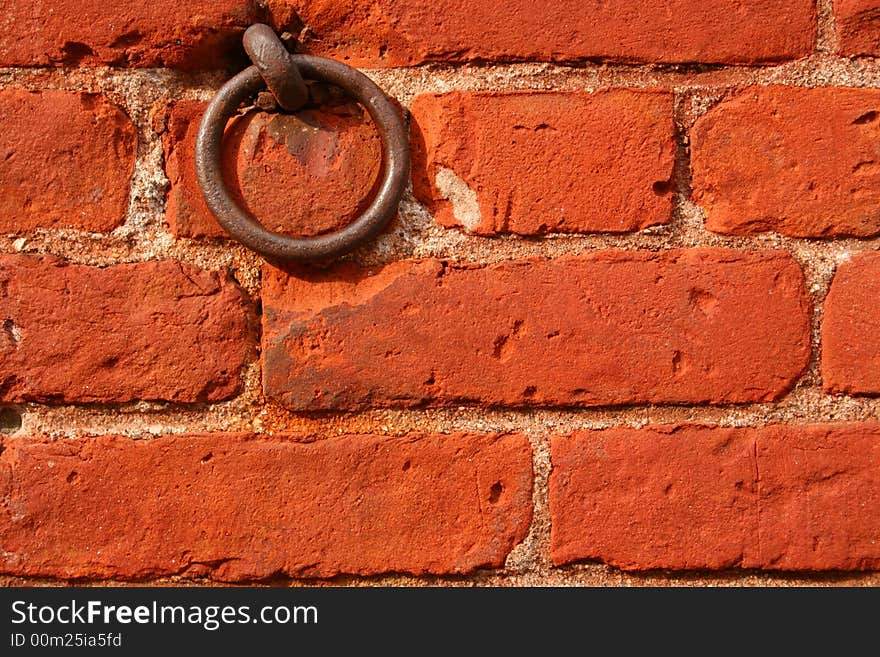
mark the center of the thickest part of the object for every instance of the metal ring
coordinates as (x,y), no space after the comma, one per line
(244,227)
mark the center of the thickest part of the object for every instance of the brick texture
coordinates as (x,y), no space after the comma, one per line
(189,35)
(801,162)
(653,498)
(780,497)
(65,161)
(151,331)
(858,27)
(236,508)
(203,34)
(405,32)
(621,214)
(694,326)
(818,497)
(534,163)
(851,328)
(303,174)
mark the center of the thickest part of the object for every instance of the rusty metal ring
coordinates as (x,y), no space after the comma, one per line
(244,227)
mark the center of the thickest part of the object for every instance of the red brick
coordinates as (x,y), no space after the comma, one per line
(779,498)
(819,492)
(694,326)
(858,27)
(151,330)
(303,174)
(671,497)
(801,162)
(851,328)
(65,161)
(207,34)
(534,163)
(189,35)
(237,508)
(406,32)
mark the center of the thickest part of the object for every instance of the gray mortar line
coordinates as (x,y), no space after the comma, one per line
(587,574)
(805,405)
(826,37)
(533,552)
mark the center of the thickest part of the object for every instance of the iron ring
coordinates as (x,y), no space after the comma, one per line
(244,227)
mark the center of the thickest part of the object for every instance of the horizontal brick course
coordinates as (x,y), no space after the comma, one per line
(695,326)
(407,32)
(801,162)
(533,163)
(192,35)
(778,498)
(143,331)
(238,508)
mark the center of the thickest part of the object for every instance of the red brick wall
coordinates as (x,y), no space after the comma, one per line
(624,330)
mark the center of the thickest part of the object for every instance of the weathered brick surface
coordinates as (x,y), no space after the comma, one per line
(542,136)
(204,34)
(534,163)
(303,174)
(818,497)
(851,328)
(238,507)
(693,326)
(405,32)
(781,497)
(189,35)
(65,161)
(653,498)
(858,27)
(800,162)
(151,330)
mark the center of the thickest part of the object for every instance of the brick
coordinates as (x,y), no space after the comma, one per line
(819,492)
(207,34)
(407,32)
(851,328)
(533,163)
(150,331)
(192,35)
(66,160)
(239,508)
(670,497)
(778,498)
(858,27)
(302,174)
(801,162)
(690,326)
